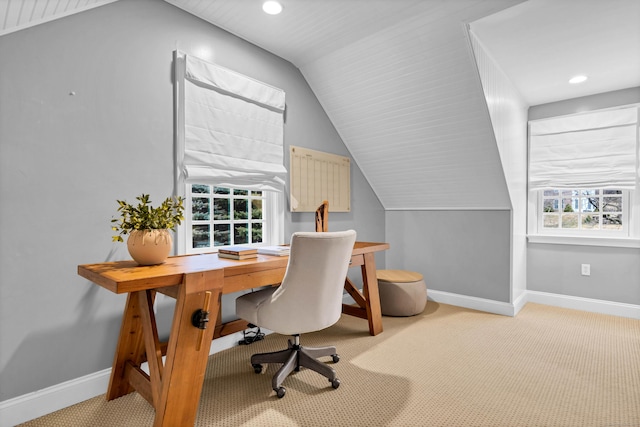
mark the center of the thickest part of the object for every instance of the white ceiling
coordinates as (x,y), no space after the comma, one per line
(307,29)
(540,44)
(398,82)
(397,78)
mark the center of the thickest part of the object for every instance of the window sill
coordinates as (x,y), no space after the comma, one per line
(614,242)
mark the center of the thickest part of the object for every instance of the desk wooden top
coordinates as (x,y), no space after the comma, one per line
(127,276)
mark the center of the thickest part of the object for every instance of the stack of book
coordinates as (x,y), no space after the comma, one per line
(274,250)
(238,252)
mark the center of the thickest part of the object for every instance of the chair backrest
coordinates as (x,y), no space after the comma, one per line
(310,296)
(322,217)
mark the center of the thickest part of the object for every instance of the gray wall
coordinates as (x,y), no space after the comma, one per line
(586,103)
(461,252)
(615,272)
(86,117)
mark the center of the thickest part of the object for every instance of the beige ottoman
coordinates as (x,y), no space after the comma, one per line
(402,293)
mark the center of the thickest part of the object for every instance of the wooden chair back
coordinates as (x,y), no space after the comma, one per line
(322,217)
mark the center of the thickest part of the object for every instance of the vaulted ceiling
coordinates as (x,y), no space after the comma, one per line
(397,78)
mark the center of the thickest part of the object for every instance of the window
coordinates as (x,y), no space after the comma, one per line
(588,211)
(222,216)
(229,157)
(583,174)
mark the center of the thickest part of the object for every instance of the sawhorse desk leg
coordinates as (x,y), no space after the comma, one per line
(371,294)
(175,388)
(130,348)
(369,300)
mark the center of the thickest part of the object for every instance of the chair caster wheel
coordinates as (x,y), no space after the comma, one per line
(280,391)
(335,383)
(257,368)
(335,358)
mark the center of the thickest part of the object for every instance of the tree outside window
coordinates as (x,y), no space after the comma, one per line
(222,216)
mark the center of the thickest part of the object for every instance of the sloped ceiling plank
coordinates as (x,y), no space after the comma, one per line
(409,105)
(319,26)
(19,14)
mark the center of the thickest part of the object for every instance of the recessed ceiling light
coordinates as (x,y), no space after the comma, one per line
(272,7)
(577,79)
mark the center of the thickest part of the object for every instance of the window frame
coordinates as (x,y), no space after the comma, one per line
(540,214)
(628,239)
(272,221)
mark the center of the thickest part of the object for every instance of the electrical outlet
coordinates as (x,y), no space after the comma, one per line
(586,269)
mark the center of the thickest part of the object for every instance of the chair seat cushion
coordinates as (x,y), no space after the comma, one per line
(280,321)
(247,305)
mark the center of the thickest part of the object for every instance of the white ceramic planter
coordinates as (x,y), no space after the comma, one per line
(149,247)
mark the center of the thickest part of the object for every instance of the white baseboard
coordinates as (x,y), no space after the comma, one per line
(519,303)
(33,405)
(474,303)
(42,402)
(585,304)
(577,303)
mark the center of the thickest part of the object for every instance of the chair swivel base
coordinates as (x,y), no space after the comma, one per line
(292,359)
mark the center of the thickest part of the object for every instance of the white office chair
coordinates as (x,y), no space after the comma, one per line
(309,299)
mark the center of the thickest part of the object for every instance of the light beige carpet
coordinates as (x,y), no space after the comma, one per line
(446,367)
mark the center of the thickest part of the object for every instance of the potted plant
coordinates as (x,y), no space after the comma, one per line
(149,240)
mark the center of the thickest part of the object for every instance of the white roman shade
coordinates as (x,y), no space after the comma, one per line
(591,150)
(229,127)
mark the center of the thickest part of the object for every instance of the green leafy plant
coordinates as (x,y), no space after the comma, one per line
(145,217)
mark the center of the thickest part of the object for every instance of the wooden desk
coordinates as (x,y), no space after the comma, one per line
(197,282)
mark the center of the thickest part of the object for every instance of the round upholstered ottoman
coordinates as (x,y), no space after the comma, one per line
(402,293)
